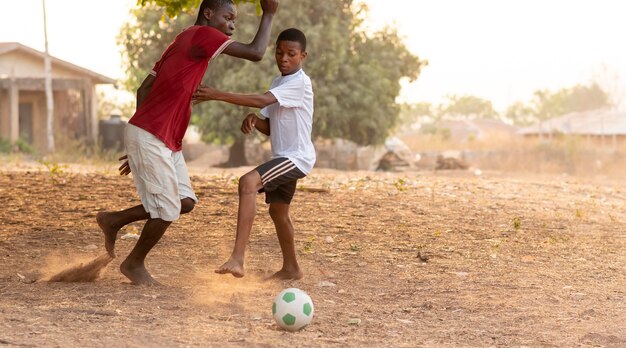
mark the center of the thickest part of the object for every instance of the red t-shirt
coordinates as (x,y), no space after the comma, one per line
(167,109)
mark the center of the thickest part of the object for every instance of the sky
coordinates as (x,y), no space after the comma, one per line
(499,50)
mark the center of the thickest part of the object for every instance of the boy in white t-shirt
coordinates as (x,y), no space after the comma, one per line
(287,117)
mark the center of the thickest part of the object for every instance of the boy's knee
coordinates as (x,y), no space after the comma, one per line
(278,213)
(249,183)
(187,205)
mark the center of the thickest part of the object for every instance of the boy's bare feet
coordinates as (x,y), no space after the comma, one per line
(284,274)
(138,275)
(231,266)
(110,232)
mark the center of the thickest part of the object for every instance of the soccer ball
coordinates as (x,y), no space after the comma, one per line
(292,309)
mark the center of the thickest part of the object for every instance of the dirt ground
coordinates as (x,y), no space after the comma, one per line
(427,259)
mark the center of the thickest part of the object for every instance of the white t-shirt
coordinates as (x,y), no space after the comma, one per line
(291,119)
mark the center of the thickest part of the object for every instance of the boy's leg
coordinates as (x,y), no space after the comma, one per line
(249,185)
(277,178)
(279,212)
(134,266)
(163,203)
(144,153)
(111,222)
(156,177)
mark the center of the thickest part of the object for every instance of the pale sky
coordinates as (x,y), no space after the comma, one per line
(500,50)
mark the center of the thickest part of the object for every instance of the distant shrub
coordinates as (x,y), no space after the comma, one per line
(20,145)
(5,146)
(24,147)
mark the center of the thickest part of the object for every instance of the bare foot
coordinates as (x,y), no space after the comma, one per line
(284,274)
(138,275)
(110,232)
(231,266)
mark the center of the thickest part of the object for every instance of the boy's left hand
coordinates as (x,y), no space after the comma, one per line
(248,124)
(203,93)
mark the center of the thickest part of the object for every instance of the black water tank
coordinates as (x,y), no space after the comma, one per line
(112,133)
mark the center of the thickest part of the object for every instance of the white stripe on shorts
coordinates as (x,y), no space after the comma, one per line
(279,170)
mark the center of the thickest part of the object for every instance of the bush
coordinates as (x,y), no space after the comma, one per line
(5,146)
(24,147)
(20,145)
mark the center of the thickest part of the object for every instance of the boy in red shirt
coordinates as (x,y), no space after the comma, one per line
(154,134)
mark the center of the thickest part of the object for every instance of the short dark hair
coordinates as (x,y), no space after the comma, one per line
(293,34)
(213,5)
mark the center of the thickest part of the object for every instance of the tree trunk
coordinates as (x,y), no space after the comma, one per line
(48,83)
(236,155)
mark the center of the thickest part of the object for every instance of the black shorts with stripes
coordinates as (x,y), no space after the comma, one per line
(279,177)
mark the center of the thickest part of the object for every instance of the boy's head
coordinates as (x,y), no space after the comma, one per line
(220,14)
(290,51)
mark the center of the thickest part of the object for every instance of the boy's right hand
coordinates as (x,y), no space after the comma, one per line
(125,167)
(248,124)
(269,6)
(203,93)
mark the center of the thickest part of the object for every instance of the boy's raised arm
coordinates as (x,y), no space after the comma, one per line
(255,50)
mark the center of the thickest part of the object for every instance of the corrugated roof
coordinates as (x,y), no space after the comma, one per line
(6,47)
(594,122)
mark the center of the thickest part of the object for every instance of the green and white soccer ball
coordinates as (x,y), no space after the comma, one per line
(292,309)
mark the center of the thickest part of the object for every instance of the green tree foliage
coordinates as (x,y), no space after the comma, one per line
(422,112)
(520,114)
(175,7)
(356,76)
(546,104)
(466,107)
(144,39)
(575,99)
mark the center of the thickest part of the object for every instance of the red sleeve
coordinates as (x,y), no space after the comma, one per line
(209,42)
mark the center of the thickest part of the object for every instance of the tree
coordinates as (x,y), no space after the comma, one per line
(520,114)
(418,112)
(175,7)
(356,76)
(609,81)
(48,86)
(466,107)
(575,99)
(546,104)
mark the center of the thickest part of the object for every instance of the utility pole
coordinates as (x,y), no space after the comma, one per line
(48,83)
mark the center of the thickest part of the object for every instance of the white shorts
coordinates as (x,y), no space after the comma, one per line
(160,174)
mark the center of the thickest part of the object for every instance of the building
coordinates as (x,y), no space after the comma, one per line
(23,98)
(604,127)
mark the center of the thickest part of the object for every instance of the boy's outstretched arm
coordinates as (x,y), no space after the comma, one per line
(255,50)
(204,93)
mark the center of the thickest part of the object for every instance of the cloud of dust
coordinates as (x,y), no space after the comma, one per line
(60,267)
(228,295)
(58,261)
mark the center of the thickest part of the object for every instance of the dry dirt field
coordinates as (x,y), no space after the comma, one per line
(417,259)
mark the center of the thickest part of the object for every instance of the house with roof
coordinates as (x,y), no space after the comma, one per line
(603,127)
(23,111)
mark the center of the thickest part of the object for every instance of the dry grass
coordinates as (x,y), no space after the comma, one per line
(571,155)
